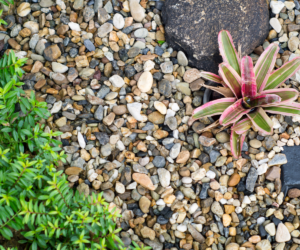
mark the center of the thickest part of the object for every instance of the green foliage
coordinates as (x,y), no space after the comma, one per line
(35,199)
(6,3)
(137,247)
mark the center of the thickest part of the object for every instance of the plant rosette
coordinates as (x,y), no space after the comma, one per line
(249,92)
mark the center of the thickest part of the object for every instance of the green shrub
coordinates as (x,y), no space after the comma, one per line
(35,199)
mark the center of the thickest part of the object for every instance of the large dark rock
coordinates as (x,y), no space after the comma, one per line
(193,26)
(290,171)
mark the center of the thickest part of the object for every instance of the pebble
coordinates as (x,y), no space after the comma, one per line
(276,6)
(145,82)
(24,9)
(282,233)
(274,22)
(135,110)
(136,10)
(117,81)
(118,21)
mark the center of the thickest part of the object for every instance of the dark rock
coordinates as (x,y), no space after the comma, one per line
(89,45)
(99,113)
(288,177)
(203,193)
(165,88)
(190,21)
(102,137)
(251,179)
(159,161)
(162,220)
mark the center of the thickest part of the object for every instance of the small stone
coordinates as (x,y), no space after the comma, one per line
(282,234)
(135,110)
(182,59)
(59,68)
(118,21)
(159,161)
(52,53)
(191,75)
(226,220)
(148,233)
(279,159)
(145,82)
(264,245)
(88,14)
(81,140)
(251,179)
(78,4)
(144,204)
(89,45)
(195,234)
(141,33)
(293,43)
(232,246)
(223,137)
(143,180)
(160,107)
(136,10)
(207,142)
(274,22)
(74,26)
(270,228)
(105,29)
(23,9)
(217,209)
(276,6)
(156,117)
(234,180)
(294,193)
(164,177)
(255,143)
(167,67)
(183,157)
(117,81)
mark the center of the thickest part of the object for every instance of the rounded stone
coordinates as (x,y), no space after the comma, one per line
(222,137)
(118,21)
(145,81)
(23,9)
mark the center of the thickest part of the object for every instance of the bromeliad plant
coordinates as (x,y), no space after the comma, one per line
(249,92)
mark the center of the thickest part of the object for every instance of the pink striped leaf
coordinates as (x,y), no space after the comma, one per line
(212,77)
(236,143)
(288,109)
(286,95)
(248,77)
(233,113)
(261,121)
(231,79)
(212,108)
(228,51)
(264,99)
(282,74)
(265,65)
(242,126)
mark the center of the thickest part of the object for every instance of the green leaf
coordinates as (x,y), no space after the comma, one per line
(261,121)
(8,87)
(228,51)
(289,109)
(216,107)
(265,65)
(283,73)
